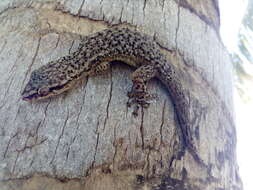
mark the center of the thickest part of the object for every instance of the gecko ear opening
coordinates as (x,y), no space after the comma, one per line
(43,91)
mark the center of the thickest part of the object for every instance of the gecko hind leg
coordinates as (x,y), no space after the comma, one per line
(139,94)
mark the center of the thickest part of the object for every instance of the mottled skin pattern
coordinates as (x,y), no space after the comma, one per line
(92,58)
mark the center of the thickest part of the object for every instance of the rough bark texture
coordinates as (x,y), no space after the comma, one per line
(87,138)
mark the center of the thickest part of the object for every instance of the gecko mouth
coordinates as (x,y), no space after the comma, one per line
(30,97)
(52,92)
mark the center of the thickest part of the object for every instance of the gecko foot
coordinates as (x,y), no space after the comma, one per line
(139,97)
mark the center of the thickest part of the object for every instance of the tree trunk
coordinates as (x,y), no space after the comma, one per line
(87,138)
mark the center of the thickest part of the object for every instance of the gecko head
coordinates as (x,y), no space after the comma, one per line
(43,85)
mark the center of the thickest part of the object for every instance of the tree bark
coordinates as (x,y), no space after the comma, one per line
(87,138)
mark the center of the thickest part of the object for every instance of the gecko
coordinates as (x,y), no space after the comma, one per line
(94,56)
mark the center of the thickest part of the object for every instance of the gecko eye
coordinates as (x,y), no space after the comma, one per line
(43,91)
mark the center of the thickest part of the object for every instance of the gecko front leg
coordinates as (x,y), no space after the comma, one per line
(139,94)
(100,68)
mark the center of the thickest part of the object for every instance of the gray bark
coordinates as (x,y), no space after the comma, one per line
(87,138)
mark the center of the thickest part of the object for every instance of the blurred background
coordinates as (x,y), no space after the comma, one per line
(237,35)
